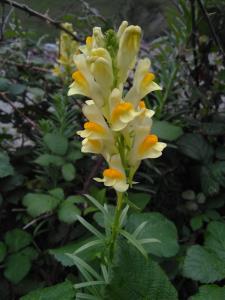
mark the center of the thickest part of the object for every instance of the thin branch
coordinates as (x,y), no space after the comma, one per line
(4,96)
(44,17)
(25,66)
(211,27)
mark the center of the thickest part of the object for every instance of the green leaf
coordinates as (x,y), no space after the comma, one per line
(38,204)
(56,142)
(215,238)
(3,251)
(157,227)
(57,193)
(132,277)
(17,267)
(68,212)
(195,146)
(5,167)
(196,222)
(202,265)
(4,84)
(17,89)
(61,291)
(210,292)
(166,131)
(45,160)
(139,199)
(68,172)
(17,239)
(88,254)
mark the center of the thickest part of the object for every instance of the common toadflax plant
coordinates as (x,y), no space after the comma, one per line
(118,123)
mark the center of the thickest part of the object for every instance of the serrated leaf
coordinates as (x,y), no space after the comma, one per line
(157,227)
(17,239)
(195,146)
(56,142)
(166,130)
(61,291)
(38,204)
(202,265)
(68,212)
(132,277)
(215,238)
(68,172)
(17,267)
(210,292)
(5,167)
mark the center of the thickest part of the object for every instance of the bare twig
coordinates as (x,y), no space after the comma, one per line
(44,17)
(26,66)
(42,217)
(211,27)
(6,98)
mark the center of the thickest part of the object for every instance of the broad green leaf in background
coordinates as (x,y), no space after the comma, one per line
(68,172)
(61,291)
(17,239)
(134,277)
(206,263)
(4,84)
(68,212)
(56,142)
(17,267)
(157,227)
(166,131)
(195,146)
(17,89)
(5,167)
(213,177)
(210,292)
(140,200)
(213,128)
(45,160)
(38,204)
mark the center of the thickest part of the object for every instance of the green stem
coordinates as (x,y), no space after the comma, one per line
(116,224)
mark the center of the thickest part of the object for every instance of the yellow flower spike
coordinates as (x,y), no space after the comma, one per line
(89,41)
(148,142)
(91,126)
(80,79)
(142,105)
(150,147)
(122,28)
(91,146)
(129,44)
(145,112)
(143,83)
(115,175)
(148,78)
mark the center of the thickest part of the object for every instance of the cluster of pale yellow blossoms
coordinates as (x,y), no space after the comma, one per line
(118,123)
(67,48)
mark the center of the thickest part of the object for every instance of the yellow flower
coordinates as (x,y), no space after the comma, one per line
(129,44)
(84,82)
(121,112)
(115,176)
(96,127)
(92,146)
(143,82)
